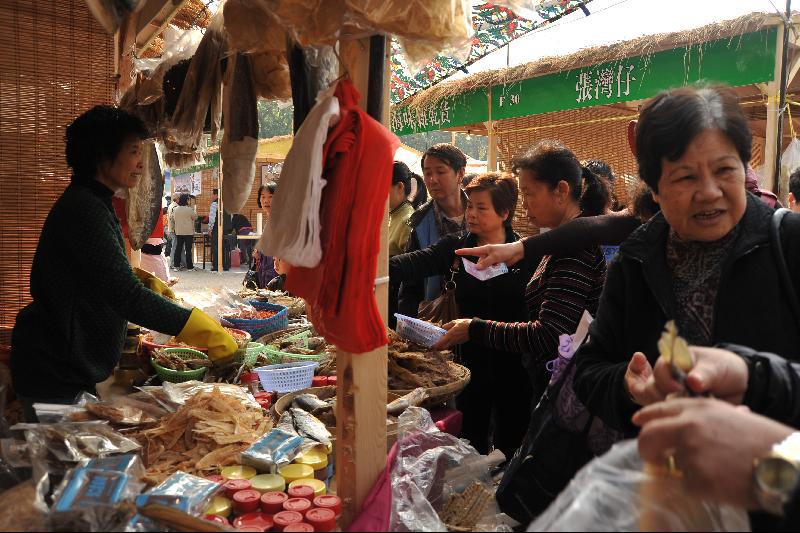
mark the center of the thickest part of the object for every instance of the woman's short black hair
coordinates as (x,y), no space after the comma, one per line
(503,190)
(97,137)
(402,174)
(672,119)
(552,162)
(451,155)
(270,186)
(183,199)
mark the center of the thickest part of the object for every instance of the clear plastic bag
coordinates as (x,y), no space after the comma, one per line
(432,467)
(790,160)
(614,493)
(181,491)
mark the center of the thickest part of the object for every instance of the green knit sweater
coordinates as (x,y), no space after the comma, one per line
(84,292)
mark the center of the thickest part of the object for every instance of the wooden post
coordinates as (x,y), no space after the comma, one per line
(218,221)
(491,157)
(361,378)
(773,145)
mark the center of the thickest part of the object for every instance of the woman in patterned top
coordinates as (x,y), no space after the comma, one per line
(556,189)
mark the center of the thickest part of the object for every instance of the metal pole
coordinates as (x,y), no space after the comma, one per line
(787,23)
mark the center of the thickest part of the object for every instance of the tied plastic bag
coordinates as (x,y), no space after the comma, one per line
(432,470)
(277,448)
(615,493)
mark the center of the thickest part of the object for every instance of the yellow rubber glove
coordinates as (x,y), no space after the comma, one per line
(203,331)
(153,283)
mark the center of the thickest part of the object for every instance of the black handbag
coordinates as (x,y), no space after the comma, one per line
(547,460)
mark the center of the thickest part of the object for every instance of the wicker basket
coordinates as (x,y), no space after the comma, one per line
(277,356)
(179,376)
(262,326)
(443,393)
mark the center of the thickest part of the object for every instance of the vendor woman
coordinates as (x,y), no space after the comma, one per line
(84,290)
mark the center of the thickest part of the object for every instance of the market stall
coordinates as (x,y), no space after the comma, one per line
(175,439)
(587,98)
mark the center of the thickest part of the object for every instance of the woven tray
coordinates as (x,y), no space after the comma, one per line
(443,393)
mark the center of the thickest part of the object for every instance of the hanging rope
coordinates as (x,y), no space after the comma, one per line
(564,125)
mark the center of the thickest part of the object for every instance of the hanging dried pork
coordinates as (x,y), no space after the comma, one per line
(252,27)
(201,90)
(240,140)
(144,200)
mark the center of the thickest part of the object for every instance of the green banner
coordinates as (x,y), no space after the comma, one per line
(212,161)
(458,110)
(734,61)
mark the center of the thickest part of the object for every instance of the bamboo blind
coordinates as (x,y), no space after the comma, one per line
(592,133)
(55,63)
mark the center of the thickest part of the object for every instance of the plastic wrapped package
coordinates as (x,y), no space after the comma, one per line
(179,44)
(431,468)
(183,492)
(98,495)
(252,27)
(616,492)
(277,448)
(174,395)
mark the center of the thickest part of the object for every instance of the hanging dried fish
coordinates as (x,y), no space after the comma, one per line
(144,200)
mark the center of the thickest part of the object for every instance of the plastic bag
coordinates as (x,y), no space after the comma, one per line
(179,45)
(430,469)
(98,495)
(184,492)
(790,161)
(173,395)
(613,493)
(276,448)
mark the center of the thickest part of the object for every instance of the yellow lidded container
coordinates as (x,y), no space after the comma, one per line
(268,483)
(295,471)
(316,459)
(219,506)
(319,486)
(238,472)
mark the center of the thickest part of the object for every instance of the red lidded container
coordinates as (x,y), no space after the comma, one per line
(216,519)
(321,519)
(319,381)
(262,521)
(286,518)
(334,503)
(246,501)
(272,502)
(301,505)
(232,486)
(302,491)
(253,529)
(216,478)
(302,526)
(331,380)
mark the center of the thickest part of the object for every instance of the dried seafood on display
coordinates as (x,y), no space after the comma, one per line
(143,204)
(463,511)
(412,366)
(206,433)
(175,362)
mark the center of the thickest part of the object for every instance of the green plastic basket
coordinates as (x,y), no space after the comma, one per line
(276,356)
(249,354)
(179,376)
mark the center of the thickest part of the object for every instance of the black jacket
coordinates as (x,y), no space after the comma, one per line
(84,292)
(501,298)
(752,309)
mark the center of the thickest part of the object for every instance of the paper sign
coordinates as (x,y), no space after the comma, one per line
(491,272)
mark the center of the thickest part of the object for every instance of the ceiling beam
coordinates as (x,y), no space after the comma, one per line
(154,17)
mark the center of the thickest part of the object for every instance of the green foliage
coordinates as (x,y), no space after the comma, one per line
(475,146)
(273,119)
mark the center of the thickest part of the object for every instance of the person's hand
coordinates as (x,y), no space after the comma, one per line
(712,442)
(639,381)
(203,331)
(492,254)
(720,373)
(457,333)
(153,283)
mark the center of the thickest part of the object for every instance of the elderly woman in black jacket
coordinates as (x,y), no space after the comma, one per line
(707,262)
(492,200)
